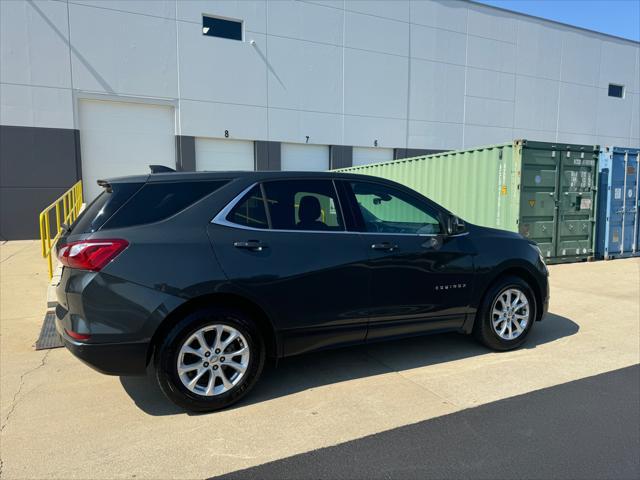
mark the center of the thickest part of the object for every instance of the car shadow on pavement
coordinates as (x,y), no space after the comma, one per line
(312,370)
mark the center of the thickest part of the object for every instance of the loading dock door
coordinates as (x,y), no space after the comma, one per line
(300,156)
(367,155)
(120,138)
(215,154)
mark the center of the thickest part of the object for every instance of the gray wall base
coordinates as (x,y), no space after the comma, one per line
(341,156)
(413,152)
(37,165)
(185,153)
(267,155)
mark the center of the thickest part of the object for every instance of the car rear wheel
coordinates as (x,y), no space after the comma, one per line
(506,315)
(210,359)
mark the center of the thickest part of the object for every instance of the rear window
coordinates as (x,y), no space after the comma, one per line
(158,201)
(103,207)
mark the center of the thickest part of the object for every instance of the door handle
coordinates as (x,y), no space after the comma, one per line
(255,245)
(389,247)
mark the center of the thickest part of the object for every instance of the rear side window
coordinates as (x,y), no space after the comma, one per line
(158,201)
(310,205)
(104,206)
(250,212)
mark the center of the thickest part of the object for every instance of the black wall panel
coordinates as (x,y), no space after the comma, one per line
(36,166)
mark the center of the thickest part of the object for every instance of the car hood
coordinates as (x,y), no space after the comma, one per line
(494,232)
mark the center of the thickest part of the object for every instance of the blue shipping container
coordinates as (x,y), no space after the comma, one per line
(618,223)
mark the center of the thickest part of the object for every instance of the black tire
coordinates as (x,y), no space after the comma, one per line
(483,329)
(166,358)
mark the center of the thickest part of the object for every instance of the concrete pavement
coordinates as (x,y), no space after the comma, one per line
(60,419)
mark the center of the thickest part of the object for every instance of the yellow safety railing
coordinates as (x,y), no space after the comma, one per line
(65,210)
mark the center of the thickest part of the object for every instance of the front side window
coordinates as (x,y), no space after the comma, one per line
(385,209)
(303,205)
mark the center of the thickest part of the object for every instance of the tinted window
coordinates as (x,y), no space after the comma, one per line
(220,27)
(616,90)
(104,206)
(250,211)
(388,210)
(303,205)
(157,201)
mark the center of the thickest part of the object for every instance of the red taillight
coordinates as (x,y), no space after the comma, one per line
(90,254)
(78,336)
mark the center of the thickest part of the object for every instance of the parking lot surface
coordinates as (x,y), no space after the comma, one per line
(60,419)
(582,429)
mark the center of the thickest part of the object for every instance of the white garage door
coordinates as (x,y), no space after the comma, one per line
(299,156)
(118,138)
(366,155)
(214,154)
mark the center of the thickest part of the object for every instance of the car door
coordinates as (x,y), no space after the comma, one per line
(421,277)
(284,244)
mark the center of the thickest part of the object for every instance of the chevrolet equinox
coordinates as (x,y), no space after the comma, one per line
(202,276)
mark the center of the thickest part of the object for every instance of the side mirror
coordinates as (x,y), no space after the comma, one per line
(455,226)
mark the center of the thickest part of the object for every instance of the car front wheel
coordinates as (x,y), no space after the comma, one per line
(210,359)
(506,315)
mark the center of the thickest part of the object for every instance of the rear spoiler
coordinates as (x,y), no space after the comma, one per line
(106,185)
(154,169)
(160,169)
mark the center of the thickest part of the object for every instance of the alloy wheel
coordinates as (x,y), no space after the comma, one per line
(510,314)
(213,360)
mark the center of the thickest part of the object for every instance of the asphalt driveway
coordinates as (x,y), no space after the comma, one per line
(587,428)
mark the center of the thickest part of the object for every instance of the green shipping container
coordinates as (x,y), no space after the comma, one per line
(545,191)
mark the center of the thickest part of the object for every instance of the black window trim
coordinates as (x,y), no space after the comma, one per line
(221,217)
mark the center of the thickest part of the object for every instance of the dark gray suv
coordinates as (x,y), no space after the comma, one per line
(204,275)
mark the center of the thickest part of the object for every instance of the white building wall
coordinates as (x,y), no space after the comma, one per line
(402,74)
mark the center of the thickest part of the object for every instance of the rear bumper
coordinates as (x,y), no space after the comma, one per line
(108,358)
(120,318)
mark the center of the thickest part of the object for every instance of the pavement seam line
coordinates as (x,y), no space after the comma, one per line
(423,387)
(14,402)
(14,254)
